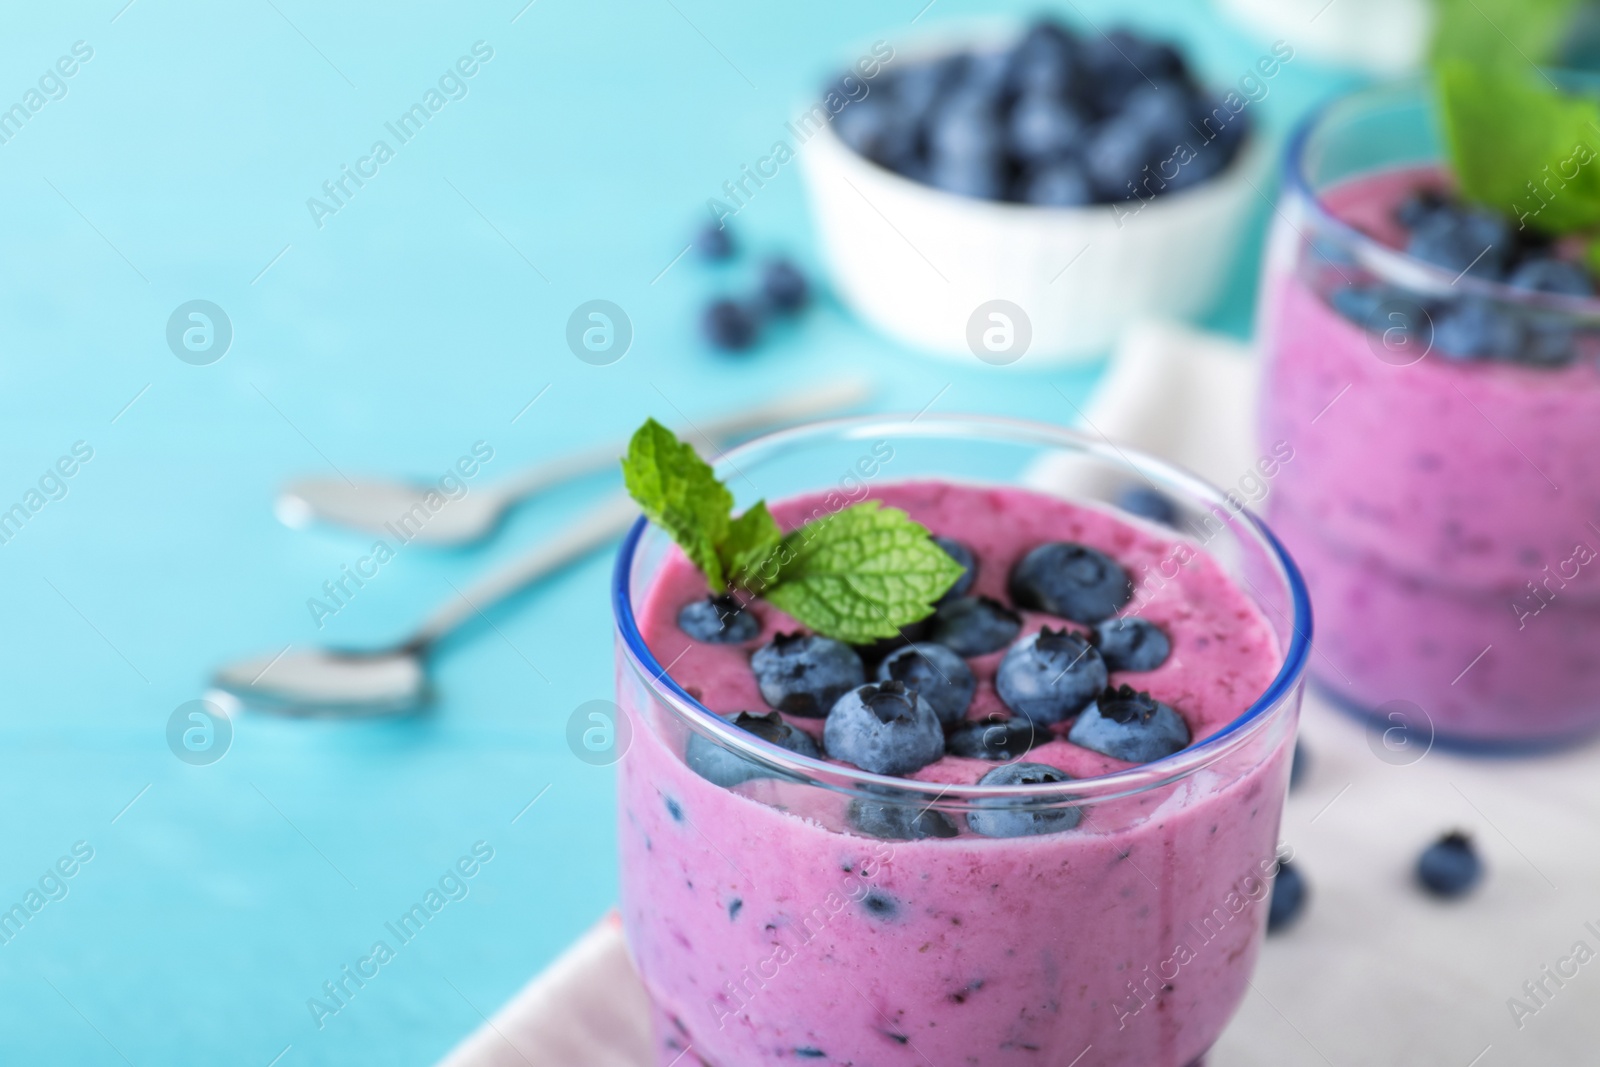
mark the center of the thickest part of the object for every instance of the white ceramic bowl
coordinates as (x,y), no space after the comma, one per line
(920,263)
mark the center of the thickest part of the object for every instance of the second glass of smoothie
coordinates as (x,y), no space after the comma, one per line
(1441,498)
(783,907)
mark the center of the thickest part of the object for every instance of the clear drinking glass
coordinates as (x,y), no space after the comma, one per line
(1444,508)
(768,932)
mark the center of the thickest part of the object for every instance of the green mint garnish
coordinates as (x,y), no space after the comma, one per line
(1516,142)
(855,575)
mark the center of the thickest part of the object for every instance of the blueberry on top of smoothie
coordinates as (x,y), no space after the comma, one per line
(1544,274)
(898,821)
(803,674)
(884,728)
(1450,866)
(975,625)
(723,767)
(1131,644)
(1464,239)
(1019,818)
(1129,725)
(1050,675)
(969,566)
(1070,580)
(997,740)
(1149,504)
(941,677)
(718,620)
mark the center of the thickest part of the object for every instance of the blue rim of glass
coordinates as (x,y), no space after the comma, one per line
(1297,183)
(1138,779)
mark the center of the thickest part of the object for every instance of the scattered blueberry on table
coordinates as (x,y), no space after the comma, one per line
(1449,867)
(730,324)
(1054,119)
(1288,897)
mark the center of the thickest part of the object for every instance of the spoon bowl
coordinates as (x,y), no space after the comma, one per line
(329,683)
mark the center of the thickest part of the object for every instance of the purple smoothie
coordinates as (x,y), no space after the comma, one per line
(1444,513)
(767,931)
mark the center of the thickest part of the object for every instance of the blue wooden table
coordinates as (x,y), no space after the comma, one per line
(384,311)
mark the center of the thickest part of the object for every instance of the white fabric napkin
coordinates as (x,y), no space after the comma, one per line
(1374,973)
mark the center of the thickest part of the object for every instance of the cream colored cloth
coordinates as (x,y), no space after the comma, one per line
(1375,973)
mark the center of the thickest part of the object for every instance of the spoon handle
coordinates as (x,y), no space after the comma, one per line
(603,523)
(706,435)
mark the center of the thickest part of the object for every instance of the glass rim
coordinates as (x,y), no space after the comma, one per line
(846,779)
(1386,260)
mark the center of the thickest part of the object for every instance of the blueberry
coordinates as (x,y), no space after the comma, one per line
(1450,866)
(964,129)
(1474,328)
(1019,818)
(1050,675)
(1468,240)
(1043,128)
(1129,725)
(909,634)
(783,287)
(1062,184)
(898,822)
(1153,59)
(1222,131)
(981,178)
(1385,310)
(883,728)
(715,241)
(917,89)
(1115,156)
(1548,344)
(1288,897)
(730,325)
(1418,205)
(1070,580)
(1109,75)
(975,625)
(869,126)
(985,74)
(718,620)
(1131,644)
(1163,110)
(803,674)
(1044,61)
(723,767)
(1149,504)
(939,676)
(968,562)
(1545,275)
(995,739)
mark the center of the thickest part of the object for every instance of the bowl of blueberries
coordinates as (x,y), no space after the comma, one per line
(1006,194)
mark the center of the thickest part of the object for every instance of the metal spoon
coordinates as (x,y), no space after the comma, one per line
(375,506)
(354,684)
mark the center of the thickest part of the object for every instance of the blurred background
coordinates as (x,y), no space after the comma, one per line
(425,315)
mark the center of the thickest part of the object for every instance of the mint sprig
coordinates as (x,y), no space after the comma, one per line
(856,575)
(1516,142)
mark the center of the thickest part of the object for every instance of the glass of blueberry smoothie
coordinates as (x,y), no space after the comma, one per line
(929,764)
(1432,363)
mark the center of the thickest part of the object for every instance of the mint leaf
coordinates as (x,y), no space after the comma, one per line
(1483,31)
(1520,146)
(679,492)
(749,551)
(861,573)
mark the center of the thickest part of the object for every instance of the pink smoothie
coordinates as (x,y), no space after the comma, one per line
(768,932)
(1444,513)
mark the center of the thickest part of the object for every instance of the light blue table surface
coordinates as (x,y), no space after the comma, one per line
(419,319)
